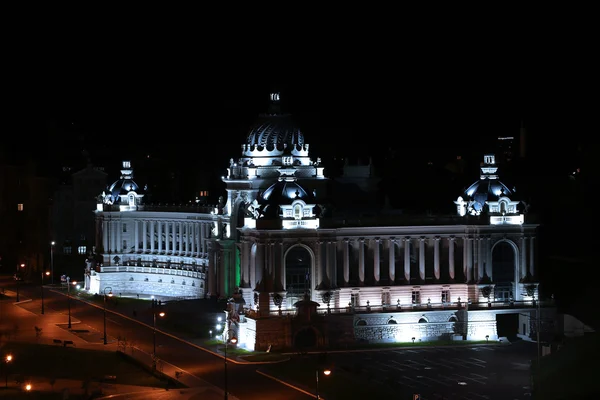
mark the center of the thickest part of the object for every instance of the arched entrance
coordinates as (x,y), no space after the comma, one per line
(305,338)
(298,265)
(503,270)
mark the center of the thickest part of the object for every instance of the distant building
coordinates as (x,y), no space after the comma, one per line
(73,225)
(24,211)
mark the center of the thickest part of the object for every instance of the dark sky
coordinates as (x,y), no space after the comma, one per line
(196,98)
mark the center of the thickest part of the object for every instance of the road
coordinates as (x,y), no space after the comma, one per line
(462,373)
(243,383)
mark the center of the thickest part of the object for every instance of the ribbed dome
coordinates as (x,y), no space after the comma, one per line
(124,184)
(284,192)
(274,131)
(487,190)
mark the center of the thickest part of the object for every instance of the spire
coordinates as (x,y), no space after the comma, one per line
(274,102)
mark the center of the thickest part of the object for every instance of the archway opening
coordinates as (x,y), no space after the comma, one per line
(305,338)
(503,271)
(297,273)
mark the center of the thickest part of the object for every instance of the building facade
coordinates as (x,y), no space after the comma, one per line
(292,259)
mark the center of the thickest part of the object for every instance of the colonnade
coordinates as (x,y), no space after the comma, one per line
(156,236)
(339,256)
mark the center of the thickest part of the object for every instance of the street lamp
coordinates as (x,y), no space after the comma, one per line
(69,297)
(52,262)
(19,277)
(226,339)
(47,273)
(7,359)
(160,314)
(109,295)
(326,372)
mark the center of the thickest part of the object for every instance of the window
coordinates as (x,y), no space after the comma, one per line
(386,298)
(20,207)
(67,250)
(297,211)
(354,300)
(416,296)
(445,296)
(124,228)
(81,250)
(124,244)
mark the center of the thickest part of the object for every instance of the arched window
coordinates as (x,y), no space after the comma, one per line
(297,211)
(392,322)
(361,322)
(422,321)
(453,319)
(131,200)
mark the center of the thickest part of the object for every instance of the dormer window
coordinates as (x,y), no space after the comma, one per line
(131,200)
(297,211)
(287,160)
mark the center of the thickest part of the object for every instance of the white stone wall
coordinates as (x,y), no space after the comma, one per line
(482,324)
(247,333)
(148,284)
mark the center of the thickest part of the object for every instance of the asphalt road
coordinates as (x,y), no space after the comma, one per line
(465,373)
(243,383)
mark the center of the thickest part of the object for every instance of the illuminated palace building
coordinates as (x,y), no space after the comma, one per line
(299,272)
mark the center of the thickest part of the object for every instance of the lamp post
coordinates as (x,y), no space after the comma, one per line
(110,295)
(19,277)
(69,298)
(326,372)
(7,359)
(47,273)
(160,314)
(52,262)
(226,339)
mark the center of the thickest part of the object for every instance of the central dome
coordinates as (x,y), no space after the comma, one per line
(275,131)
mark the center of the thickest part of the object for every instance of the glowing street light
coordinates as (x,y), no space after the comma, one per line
(7,359)
(326,372)
(52,261)
(109,295)
(47,273)
(226,339)
(160,314)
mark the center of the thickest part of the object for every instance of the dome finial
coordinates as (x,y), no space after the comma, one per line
(274,106)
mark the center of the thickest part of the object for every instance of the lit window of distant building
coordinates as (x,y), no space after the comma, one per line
(67,250)
(81,250)
(20,207)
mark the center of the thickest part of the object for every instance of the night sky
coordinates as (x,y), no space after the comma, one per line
(192,102)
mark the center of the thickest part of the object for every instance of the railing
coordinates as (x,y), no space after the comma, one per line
(496,305)
(151,269)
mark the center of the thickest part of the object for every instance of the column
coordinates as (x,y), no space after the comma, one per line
(194,237)
(118,230)
(469,259)
(422,258)
(361,261)
(202,237)
(480,258)
(174,238)
(436,258)
(451,257)
(523,266)
(407,259)
(152,228)
(136,235)
(272,258)
(180,232)
(252,262)
(159,236)
(531,257)
(144,236)
(105,244)
(333,264)
(488,257)
(260,261)
(392,258)
(282,265)
(346,262)
(376,261)
(167,238)
(319,264)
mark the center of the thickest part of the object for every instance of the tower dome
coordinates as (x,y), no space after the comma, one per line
(275,130)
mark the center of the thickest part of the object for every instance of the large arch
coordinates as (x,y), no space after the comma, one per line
(505,269)
(299,262)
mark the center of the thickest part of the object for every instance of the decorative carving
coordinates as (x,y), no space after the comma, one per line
(277,299)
